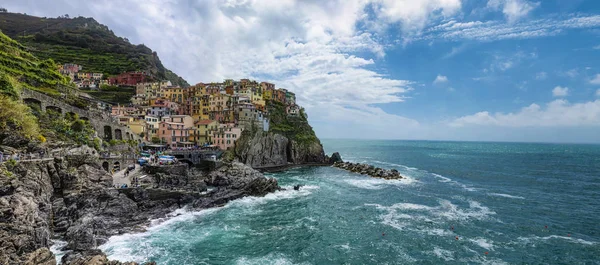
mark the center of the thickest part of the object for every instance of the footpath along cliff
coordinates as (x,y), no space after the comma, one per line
(290,141)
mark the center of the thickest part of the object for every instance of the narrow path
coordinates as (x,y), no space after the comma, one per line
(120,179)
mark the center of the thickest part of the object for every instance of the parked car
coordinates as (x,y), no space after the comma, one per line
(143,160)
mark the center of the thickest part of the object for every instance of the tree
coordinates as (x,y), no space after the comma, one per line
(155,140)
(3,10)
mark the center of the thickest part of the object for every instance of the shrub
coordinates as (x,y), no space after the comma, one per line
(17,117)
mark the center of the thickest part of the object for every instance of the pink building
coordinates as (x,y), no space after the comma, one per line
(226,136)
(174,134)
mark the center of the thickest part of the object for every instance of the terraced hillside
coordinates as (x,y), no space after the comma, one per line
(86,42)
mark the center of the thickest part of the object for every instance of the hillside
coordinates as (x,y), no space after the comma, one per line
(21,124)
(86,42)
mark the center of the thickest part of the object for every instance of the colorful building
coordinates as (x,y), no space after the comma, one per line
(204,129)
(129,79)
(226,136)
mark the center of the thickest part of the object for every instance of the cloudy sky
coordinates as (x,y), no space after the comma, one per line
(494,70)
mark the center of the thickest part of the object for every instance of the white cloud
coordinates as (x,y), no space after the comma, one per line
(541,76)
(454,30)
(596,47)
(440,79)
(595,80)
(413,15)
(572,73)
(560,91)
(513,9)
(558,113)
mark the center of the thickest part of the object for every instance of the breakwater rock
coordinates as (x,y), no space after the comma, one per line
(370,170)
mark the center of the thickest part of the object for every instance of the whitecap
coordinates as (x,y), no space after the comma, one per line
(570,239)
(442,178)
(274,259)
(506,196)
(288,193)
(446,255)
(370,183)
(56,249)
(483,243)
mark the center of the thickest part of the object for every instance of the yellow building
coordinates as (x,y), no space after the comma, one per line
(204,129)
(175,94)
(137,126)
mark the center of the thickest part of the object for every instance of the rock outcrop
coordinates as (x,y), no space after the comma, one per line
(263,149)
(234,181)
(370,170)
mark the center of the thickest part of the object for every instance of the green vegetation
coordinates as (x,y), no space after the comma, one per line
(113,94)
(295,128)
(16,118)
(20,69)
(86,42)
(66,128)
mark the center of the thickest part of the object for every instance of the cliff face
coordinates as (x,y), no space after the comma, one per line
(267,149)
(289,141)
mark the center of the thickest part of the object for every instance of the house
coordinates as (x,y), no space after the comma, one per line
(226,136)
(204,129)
(292,110)
(174,134)
(129,79)
(279,95)
(268,90)
(152,123)
(290,98)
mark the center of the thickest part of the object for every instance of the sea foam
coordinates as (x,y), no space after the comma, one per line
(506,196)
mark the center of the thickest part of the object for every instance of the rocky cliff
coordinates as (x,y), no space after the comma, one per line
(265,149)
(72,199)
(289,141)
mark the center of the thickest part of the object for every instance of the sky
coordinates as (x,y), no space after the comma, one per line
(465,70)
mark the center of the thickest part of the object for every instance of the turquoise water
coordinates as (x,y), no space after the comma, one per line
(519,203)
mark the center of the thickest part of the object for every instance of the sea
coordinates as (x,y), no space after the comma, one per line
(459,203)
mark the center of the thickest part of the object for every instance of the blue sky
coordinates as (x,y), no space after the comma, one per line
(480,70)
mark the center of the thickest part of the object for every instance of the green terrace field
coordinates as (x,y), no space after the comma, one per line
(86,42)
(112,94)
(20,69)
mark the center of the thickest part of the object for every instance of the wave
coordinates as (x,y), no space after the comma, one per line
(288,193)
(446,255)
(506,196)
(276,259)
(442,178)
(483,243)
(371,183)
(119,247)
(56,249)
(396,165)
(569,239)
(410,216)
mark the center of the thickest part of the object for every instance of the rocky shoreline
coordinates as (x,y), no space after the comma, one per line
(370,170)
(73,199)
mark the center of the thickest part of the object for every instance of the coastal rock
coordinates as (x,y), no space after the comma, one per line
(335,158)
(42,256)
(176,176)
(263,150)
(370,170)
(234,181)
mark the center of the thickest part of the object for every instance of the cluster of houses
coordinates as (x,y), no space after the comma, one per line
(213,114)
(80,78)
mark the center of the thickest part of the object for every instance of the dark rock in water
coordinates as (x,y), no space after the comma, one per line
(93,257)
(335,158)
(370,170)
(297,187)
